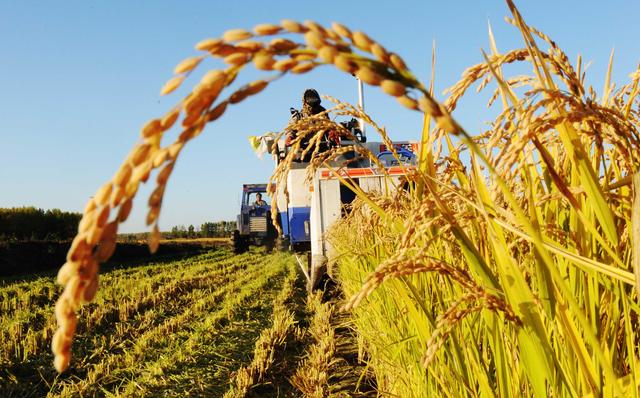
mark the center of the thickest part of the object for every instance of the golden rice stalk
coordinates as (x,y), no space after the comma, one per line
(251,46)
(255,87)
(174,149)
(152,215)
(170,118)
(266,29)
(79,249)
(303,67)
(284,65)
(160,157)
(91,289)
(407,102)
(125,209)
(397,62)
(341,30)
(223,50)
(164,174)
(154,239)
(216,112)
(293,26)
(102,196)
(122,176)
(117,196)
(368,76)
(171,85)
(209,44)
(102,216)
(213,78)
(92,237)
(345,64)
(315,27)
(327,54)
(152,128)
(282,45)
(305,57)
(236,35)
(392,87)
(187,65)
(66,272)
(362,41)
(380,53)
(237,59)
(138,155)
(264,61)
(90,206)
(314,39)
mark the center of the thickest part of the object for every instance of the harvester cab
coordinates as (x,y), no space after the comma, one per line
(253,224)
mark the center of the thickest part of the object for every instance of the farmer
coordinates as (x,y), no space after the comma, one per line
(310,106)
(259,201)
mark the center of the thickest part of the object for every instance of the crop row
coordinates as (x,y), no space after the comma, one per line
(150,344)
(127,320)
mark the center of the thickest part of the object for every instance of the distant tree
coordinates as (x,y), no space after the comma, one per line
(175,232)
(30,223)
(182,231)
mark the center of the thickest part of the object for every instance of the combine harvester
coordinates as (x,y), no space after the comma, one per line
(308,209)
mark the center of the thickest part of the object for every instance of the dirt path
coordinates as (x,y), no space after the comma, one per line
(320,357)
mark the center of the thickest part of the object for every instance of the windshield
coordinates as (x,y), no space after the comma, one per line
(252,197)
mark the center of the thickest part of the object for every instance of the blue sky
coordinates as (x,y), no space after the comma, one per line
(79,78)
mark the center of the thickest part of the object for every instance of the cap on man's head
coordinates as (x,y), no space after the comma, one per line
(311,97)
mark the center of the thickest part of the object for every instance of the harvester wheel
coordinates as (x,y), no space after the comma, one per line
(282,245)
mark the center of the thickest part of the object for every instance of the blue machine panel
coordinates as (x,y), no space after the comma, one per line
(299,228)
(284,223)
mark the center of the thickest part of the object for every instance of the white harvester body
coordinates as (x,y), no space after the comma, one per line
(330,201)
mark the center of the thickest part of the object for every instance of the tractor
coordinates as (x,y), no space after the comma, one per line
(253,224)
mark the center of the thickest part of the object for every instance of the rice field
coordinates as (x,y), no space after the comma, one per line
(508,267)
(171,328)
(213,324)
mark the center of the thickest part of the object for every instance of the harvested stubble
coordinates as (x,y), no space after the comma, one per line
(136,309)
(313,373)
(112,203)
(271,339)
(162,359)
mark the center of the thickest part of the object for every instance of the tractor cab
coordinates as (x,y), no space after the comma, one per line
(254,226)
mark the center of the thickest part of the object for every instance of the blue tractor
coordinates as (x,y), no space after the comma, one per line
(253,224)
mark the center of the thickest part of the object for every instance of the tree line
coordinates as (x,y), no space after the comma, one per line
(219,229)
(30,223)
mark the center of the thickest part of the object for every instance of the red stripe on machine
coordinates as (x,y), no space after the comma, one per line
(363,172)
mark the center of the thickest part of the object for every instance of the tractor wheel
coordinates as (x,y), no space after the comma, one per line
(239,244)
(269,244)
